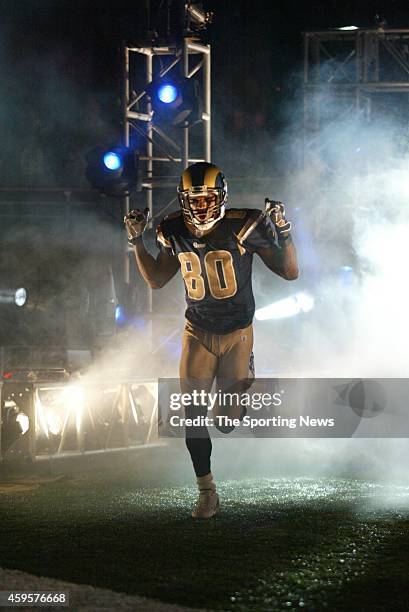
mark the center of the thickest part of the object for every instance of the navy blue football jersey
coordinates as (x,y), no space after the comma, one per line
(216,268)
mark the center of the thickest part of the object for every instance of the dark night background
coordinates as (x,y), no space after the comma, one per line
(61,74)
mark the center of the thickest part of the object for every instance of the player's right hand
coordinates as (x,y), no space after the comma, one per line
(135,223)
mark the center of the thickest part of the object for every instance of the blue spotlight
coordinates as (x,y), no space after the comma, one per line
(178,101)
(167,93)
(112,161)
(113,170)
(126,317)
(120,315)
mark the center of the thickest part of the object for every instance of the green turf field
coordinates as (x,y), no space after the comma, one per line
(279,544)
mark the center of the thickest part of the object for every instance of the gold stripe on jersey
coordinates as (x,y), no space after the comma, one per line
(249,227)
(161,238)
(241,248)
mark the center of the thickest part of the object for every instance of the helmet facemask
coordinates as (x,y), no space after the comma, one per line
(202,206)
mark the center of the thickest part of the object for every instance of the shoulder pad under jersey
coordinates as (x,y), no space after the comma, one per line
(173,215)
(165,228)
(236,213)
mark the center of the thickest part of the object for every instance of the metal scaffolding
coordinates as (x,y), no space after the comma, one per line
(192,60)
(73,419)
(350,66)
(166,154)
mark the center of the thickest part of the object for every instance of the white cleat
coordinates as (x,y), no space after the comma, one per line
(207,505)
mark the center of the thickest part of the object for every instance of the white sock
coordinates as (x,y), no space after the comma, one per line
(206,483)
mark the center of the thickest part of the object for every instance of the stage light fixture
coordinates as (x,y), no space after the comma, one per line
(178,101)
(127,306)
(120,315)
(287,307)
(13,296)
(112,161)
(167,93)
(20,297)
(113,171)
(197,18)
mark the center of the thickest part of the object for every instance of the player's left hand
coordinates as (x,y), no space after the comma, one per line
(276,212)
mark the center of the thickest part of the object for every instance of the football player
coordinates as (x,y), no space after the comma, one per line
(213,248)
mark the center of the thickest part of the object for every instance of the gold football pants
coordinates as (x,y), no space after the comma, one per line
(207,357)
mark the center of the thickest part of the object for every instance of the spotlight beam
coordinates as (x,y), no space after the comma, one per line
(287,307)
(14,296)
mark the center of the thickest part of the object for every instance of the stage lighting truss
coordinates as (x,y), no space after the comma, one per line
(56,420)
(345,71)
(181,74)
(165,150)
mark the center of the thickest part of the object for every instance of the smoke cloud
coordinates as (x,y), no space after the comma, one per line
(349,205)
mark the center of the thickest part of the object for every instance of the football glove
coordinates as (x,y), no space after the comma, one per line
(276,212)
(135,224)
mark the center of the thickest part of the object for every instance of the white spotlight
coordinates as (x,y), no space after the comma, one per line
(20,297)
(24,422)
(74,401)
(348,28)
(13,296)
(288,307)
